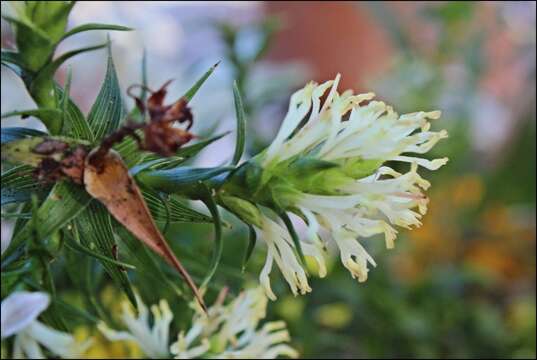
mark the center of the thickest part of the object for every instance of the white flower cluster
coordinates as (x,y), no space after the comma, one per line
(225,332)
(354,135)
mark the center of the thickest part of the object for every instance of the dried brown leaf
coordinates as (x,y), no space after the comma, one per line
(107,179)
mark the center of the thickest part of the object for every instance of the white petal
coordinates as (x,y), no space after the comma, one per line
(26,347)
(264,278)
(57,342)
(20,309)
(429,164)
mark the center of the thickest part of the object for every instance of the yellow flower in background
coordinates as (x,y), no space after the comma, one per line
(101,348)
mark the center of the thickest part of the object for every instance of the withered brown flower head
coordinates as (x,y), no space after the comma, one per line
(159,135)
(61,161)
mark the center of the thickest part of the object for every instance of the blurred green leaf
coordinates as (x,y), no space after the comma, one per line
(294,236)
(13,60)
(64,102)
(18,184)
(252,239)
(207,198)
(42,86)
(94,26)
(143,95)
(9,134)
(65,201)
(42,112)
(241,125)
(141,257)
(34,45)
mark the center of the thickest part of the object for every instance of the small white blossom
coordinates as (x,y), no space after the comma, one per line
(231,332)
(19,317)
(153,341)
(360,199)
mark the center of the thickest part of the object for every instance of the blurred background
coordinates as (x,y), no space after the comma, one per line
(463,285)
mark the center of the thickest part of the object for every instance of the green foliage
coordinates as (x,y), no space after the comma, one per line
(241,124)
(94,227)
(40,27)
(89,232)
(18,184)
(106,113)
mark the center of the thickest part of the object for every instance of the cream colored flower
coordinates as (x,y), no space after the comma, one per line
(231,332)
(224,332)
(19,317)
(153,340)
(325,165)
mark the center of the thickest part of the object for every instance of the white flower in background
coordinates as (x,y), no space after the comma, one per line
(325,165)
(231,331)
(225,332)
(19,317)
(153,340)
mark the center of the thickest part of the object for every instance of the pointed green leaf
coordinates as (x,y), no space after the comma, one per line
(135,112)
(74,124)
(177,180)
(143,95)
(16,215)
(143,259)
(194,89)
(241,124)
(252,239)
(76,246)
(42,86)
(65,201)
(107,110)
(94,26)
(42,112)
(128,149)
(294,236)
(95,229)
(159,163)
(208,200)
(13,60)
(9,134)
(11,57)
(187,152)
(177,212)
(18,184)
